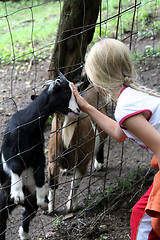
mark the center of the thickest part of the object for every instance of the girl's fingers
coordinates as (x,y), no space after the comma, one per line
(75,91)
(80,100)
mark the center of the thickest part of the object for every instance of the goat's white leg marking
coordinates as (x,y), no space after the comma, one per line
(41,194)
(97,165)
(51,201)
(23,235)
(16,188)
(72,203)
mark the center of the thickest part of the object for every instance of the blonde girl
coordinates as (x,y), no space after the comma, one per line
(137,114)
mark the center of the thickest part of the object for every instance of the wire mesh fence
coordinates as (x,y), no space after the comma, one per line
(24,70)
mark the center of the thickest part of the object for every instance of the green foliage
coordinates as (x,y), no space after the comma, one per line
(146,18)
(147,53)
(58,221)
(27,30)
(29,27)
(48,123)
(103,237)
(134,177)
(138,175)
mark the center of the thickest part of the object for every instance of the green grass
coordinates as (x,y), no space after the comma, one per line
(20,37)
(27,36)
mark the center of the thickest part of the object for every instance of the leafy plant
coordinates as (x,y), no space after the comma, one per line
(58,222)
(49,120)
(147,53)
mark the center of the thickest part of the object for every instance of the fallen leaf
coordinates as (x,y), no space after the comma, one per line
(68,216)
(50,234)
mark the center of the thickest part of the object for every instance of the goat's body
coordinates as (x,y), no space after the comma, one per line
(22,158)
(22,148)
(72,148)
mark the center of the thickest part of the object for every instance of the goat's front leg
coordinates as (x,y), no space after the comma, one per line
(53,175)
(17,194)
(5,209)
(41,190)
(28,214)
(99,159)
(51,199)
(72,204)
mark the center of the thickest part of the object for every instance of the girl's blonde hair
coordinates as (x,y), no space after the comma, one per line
(109,67)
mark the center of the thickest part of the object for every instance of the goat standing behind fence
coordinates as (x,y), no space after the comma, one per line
(73,147)
(22,158)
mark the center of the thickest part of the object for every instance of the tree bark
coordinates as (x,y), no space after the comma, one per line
(75,32)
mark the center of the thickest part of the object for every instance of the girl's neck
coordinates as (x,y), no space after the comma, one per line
(115,94)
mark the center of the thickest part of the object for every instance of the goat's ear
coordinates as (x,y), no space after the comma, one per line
(54,85)
(33,97)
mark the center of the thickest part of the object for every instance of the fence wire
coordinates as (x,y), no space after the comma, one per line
(23,73)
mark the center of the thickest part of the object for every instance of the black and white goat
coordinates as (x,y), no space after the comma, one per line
(72,148)
(22,163)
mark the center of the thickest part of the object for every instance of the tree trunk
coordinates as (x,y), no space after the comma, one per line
(75,32)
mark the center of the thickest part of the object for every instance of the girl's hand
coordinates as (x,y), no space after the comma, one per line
(83,104)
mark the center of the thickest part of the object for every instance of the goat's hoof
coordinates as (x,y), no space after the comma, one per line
(43,206)
(70,207)
(65,172)
(98,166)
(50,210)
(23,235)
(18,197)
(49,213)
(42,203)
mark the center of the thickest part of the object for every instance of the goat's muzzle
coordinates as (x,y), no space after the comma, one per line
(74,113)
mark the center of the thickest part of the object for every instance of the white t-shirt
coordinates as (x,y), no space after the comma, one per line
(132,102)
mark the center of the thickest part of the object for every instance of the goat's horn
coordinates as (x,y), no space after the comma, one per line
(47,83)
(61,75)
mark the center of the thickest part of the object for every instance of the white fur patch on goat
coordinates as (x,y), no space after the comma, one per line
(41,194)
(73,105)
(51,201)
(98,166)
(17,182)
(5,167)
(23,235)
(97,138)
(67,132)
(16,188)
(73,198)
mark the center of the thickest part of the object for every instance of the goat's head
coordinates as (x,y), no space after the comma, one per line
(61,97)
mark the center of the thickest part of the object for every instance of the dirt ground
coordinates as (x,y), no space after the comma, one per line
(104,214)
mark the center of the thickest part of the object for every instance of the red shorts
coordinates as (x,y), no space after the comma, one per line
(141,227)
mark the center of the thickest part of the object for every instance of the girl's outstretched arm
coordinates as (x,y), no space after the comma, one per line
(110,126)
(142,129)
